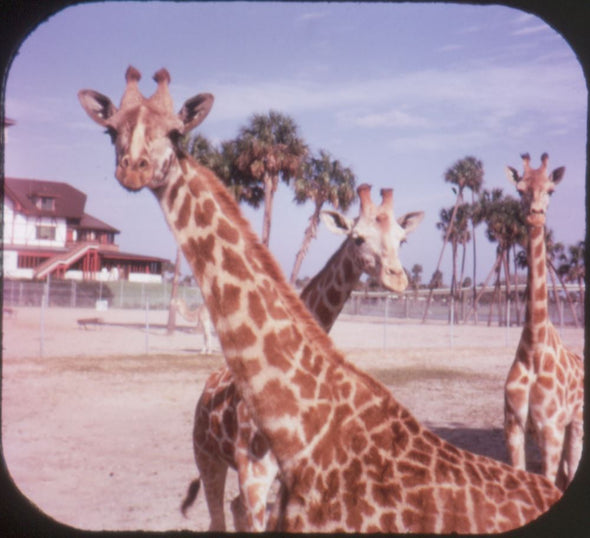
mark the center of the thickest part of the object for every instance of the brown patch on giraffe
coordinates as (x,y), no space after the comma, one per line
(229,422)
(306,382)
(280,347)
(199,252)
(387,523)
(455,510)
(445,472)
(333,296)
(173,192)
(183,213)
(259,445)
(289,441)
(255,309)
(422,500)
(386,494)
(539,314)
(400,440)
(323,314)
(540,294)
(560,374)
(234,264)
(354,495)
(239,338)
(227,232)
(348,270)
(230,299)
(412,474)
(472,474)
(204,213)
(276,398)
(312,364)
(546,382)
(314,418)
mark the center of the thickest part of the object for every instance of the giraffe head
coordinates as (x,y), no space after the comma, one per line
(375,236)
(534,187)
(145,131)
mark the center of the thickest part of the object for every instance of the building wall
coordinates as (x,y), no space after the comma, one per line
(22,230)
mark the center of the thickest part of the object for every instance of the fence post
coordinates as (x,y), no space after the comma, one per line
(452,318)
(147,326)
(44,299)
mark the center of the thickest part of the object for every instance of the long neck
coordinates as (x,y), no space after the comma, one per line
(325,295)
(277,353)
(536,308)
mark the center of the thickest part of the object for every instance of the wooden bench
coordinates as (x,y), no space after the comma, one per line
(86,322)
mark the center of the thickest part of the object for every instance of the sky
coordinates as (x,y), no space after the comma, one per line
(396,92)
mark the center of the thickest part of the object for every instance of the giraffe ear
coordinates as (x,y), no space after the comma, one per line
(195,110)
(98,106)
(409,222)
(336,222)
(557,175)
(512,175)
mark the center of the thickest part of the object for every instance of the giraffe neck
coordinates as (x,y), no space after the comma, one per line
(273,347)
(537,313)
(328,291)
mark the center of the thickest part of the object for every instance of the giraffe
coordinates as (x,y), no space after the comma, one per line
(545,384)
(351,457)
(224,433)
(200,317)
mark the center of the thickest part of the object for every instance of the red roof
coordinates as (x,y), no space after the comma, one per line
(69,202)
(92,223)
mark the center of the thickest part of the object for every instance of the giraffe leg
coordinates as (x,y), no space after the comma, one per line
(516,410)
(551,442)
(572,452)
(257,469)
(213,474)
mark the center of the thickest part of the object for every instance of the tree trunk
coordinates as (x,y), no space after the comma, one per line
(508,287)
(496,288)
(555,274)
(446,240)
(483,288)
(270,187)
(310,233)
(171,325)
(474,295)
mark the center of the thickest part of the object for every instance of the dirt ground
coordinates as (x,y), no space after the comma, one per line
(97,422)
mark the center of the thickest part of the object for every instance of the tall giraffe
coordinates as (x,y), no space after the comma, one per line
(545,384)
(200,317)
(351,457)
(224,433)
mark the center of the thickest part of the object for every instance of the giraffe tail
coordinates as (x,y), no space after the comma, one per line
(191,495)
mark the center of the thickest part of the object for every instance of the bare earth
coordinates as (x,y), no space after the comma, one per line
(97,433)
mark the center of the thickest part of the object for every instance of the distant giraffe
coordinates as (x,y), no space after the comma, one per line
(224,433)
(351,458)
(545,384)
(200,317)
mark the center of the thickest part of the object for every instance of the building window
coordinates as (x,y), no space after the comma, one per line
(46,232)
(45,203)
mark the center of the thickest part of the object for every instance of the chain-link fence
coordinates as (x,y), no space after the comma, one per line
(565,308)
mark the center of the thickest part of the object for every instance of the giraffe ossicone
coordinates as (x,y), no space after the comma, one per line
(545,384)
(351,457)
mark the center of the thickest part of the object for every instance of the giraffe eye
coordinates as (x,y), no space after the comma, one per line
(358,240)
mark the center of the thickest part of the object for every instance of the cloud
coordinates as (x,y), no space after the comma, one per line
(312,16)
(527,30)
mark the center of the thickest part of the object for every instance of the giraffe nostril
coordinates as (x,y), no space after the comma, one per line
(143,164)
(125,161)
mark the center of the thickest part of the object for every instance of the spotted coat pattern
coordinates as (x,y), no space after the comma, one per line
(351,457)
(545,384)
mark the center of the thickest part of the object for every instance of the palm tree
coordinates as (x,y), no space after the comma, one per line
(506,226)
(323,181)
(223,162)
(572,266)
(266,150)
(465,173)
